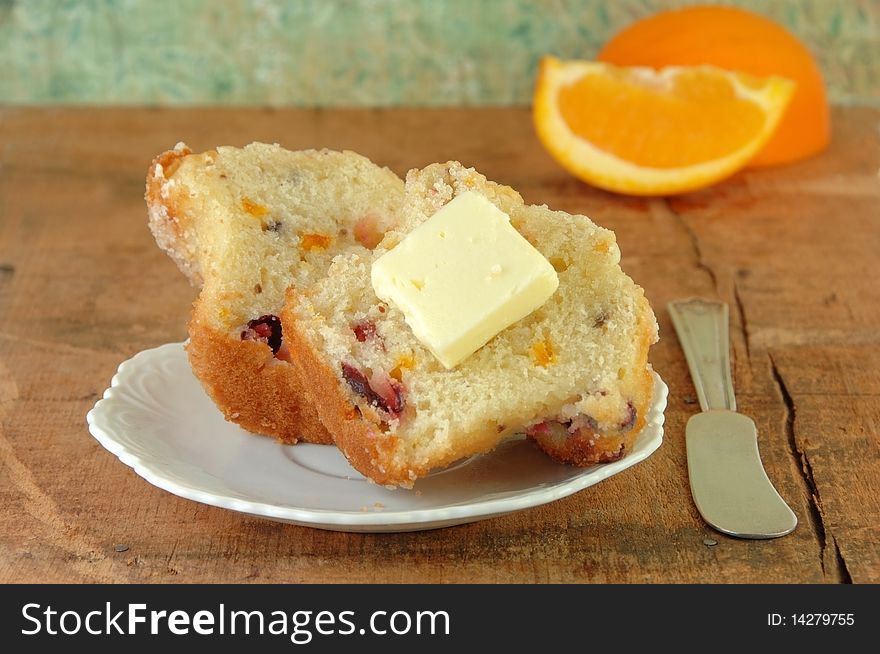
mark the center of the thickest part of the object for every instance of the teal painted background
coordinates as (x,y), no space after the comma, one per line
(357,52)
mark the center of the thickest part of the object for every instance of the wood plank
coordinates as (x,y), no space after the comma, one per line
(833,396)
(82,286)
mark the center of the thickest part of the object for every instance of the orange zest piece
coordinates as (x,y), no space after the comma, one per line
(543,354)
(646,132)
(254,209)
(404,362)
(311,242)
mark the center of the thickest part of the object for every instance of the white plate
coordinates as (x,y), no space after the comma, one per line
(157,419)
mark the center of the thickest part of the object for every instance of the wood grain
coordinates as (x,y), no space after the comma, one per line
(83,286)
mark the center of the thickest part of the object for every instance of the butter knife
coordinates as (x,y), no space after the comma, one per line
(728,482)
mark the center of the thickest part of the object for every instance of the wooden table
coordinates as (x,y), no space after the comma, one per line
(82,286)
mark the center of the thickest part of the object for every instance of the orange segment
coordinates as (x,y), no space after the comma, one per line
(739,40)
(718,122)
(646,132)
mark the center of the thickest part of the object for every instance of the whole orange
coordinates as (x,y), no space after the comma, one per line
(738,40)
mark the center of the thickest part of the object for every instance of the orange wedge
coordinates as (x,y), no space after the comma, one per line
(735,39)
(646,132)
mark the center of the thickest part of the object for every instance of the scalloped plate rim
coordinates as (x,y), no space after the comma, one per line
(402,520)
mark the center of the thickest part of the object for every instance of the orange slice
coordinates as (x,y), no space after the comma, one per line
(735,39)
(646,132)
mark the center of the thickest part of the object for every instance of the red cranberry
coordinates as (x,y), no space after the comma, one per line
(549,429)
(265,329)
(365,330)
(390,392)
(630,418)
(382,391)
(356,380)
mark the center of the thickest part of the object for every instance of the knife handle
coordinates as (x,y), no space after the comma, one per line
(702,328)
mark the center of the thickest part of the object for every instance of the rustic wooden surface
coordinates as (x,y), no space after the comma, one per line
(82,287)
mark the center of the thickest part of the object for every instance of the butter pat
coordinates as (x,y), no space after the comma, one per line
(462,276)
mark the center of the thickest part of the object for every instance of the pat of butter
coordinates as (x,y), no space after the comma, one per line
(462,276)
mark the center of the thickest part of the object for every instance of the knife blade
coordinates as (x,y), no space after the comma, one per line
(727,478)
